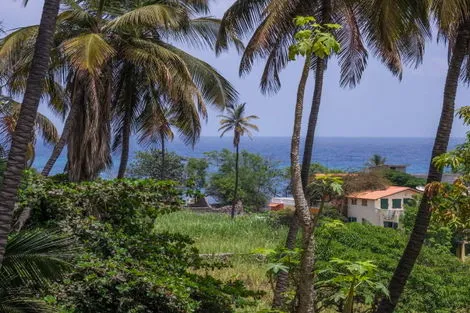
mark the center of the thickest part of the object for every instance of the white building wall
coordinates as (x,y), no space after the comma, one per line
(368,213)
(373,213)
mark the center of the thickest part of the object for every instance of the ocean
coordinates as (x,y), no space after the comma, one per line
(334,152)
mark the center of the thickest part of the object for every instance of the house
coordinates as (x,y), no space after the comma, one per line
(379,207)
(277,204)
(394,167)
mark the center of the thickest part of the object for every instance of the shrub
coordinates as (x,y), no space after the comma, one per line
(403,179)
(123,266)
(148,164)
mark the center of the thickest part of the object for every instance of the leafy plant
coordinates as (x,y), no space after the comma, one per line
(313,38)
(352,279)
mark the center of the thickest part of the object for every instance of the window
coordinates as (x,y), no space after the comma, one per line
(352,219)
(384,204)
(409,201)
(391,225)
(364,202)
(396,204)
(354,201)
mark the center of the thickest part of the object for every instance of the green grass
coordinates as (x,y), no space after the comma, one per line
(218,233)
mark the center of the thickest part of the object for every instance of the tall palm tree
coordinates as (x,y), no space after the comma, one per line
(104,44)
(453,18)
(395,32)
(9,112)
(27,117)
(235,120)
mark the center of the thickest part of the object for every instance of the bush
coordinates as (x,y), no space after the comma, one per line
(123,266)
(403,179)
(148,164)
(438,283)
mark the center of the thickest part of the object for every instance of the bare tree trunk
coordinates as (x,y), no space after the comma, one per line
(235,194)
(59,147)
(126,133)
(305,287)
(162,170)
(312,121)
(24,129)
(282,281)
(415,243)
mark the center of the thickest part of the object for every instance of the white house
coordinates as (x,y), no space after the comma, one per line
(379,207)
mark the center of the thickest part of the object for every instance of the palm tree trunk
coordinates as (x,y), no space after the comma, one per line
(24,129)
(235,193)
(126,133)
(305,287)
(282,280)
(59,147)
(312,121)
(162,170)
(415,243)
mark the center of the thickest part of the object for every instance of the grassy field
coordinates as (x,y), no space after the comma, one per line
(217,233)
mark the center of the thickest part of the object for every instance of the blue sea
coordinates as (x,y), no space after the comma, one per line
(333,152)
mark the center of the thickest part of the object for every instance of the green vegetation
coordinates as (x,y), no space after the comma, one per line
(122,265)
(113,69)
(150,164)
(258,178)
(397,178)
(438,283)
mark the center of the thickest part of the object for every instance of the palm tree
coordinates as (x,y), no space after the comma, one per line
(104,44)
(395,33)
(376,160)
(26,121)
(155,127)
(240,124)
(9,112)
(453,19)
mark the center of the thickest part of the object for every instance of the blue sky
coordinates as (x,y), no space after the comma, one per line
(380,106)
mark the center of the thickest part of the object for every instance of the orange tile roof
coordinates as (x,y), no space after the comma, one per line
(377,194)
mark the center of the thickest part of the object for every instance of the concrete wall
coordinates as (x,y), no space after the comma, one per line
(373,213)
(367,213)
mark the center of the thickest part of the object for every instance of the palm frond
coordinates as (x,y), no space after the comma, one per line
(150,16)
(12,44)
(214,87)
(353,55)
(239,21)
(21,301)
(276,61)
(391,30)
(154,121)
(47,129)
(198,33)
(36,256)
(88,52)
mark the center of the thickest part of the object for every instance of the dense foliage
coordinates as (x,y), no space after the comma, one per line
(148,164)
(403,179)
(438,283)
(258,178)
(123,266)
